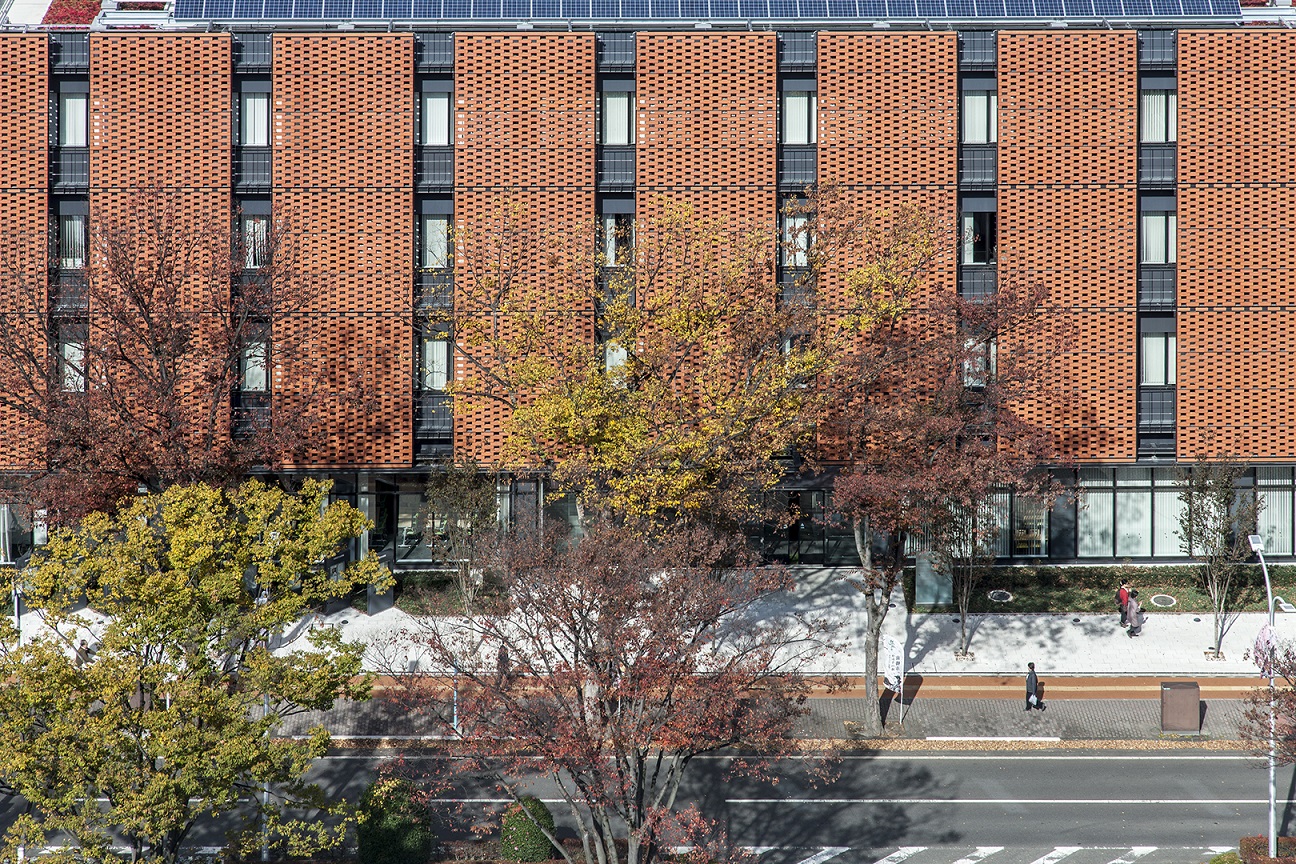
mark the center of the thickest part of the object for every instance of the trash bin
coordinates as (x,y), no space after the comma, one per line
(1180,707)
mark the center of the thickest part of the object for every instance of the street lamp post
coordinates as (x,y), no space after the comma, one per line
(1257,546)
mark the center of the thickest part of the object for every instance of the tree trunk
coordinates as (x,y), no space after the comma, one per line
(871,721)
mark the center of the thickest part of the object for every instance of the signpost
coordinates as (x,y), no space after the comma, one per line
(893,669)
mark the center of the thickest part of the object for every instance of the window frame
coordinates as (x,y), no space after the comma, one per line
(805,131)
(617,91)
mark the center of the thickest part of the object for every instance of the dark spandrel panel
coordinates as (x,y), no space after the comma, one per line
(1077,8)
(248,9)
(337,8)
(218,9)
(842,9)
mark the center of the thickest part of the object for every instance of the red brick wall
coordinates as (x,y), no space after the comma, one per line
(343,151)
(1237,258)
(24,115)
(524,133)
(1068,211)
(707,124)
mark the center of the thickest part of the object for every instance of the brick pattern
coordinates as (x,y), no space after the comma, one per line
(708,100)
(24,204)
(343,162)
(1237,244)
(1068,213)
(524,133)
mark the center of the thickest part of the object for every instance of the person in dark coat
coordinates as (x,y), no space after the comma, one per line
(1134,611)
(1122,600)
(1032,688)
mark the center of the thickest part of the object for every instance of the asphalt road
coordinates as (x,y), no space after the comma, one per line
(944,804)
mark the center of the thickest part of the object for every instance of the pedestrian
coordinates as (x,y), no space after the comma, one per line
(1134,612)
(502,666)
(1122,601)
(82,653)
(1032,689)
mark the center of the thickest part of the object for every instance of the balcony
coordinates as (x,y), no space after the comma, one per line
(435,168)
(252,169)
(796,51)
(616,52)
(434,289)
(70,53)
(977,165)
(1156,166)
(798,167)
(69,293)
(252,52)
(433,426)
(72,169)
(977,49)
(977,281)
(1156,49)
(250,413)
(434,52)
(1156,286)
(796,289)
(616,169)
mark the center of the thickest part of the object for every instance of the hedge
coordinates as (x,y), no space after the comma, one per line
(391,826)
(520,836)
(1255,850)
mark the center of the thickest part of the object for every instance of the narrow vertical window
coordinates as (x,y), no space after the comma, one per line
(435,130)
(1157,240)
(980,116)
(979,362)
(254,120)
(618,239)
(1157,368)
(618,118)
(72,120)
(256,242)
(796,240)
(72,366)
(800,108)
(434,361)
(434,245)
(978,238)
(254,367)
(1157,117)
(614,356)
(72,241)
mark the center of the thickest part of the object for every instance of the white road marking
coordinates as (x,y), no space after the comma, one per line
(993,738)
(1058,854)
(980,853)
(1003,801)
(825,854)
(900,855)
(1134,854)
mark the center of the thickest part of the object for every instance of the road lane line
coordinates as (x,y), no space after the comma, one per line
(981,853)
(1002,801)
(1134,854)
(900,854)
(825,854)
(1058,854)
(993,738)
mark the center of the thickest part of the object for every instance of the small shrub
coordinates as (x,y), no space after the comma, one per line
(1226,858)
(520,836)
(391,825)
(1255,850)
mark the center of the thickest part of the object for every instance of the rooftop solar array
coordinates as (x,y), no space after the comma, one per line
(688,10)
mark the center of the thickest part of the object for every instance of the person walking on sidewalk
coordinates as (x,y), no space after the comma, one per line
(1032,689)
(1134,612)
(1122,600)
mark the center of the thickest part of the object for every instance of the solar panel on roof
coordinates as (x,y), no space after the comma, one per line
(960,8)
(367,9)
(842,9)
(1226,7)
(694,9)
(1077,8)
(724,8)
(248,9)
(813,8)
(989,8)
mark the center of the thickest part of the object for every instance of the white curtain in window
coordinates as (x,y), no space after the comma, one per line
(72,242)
(1094,524)
(1158,240)
(1167,504)
(799,117)
(614,357)
(435,362)
(255,378)
(73,109)
(618,118)
(796,240)
(1275,521)
(1157,121)
(1030,527)
(254,120)
(256,240)
(72,366)
(436,120)
(1154,359)
(435,254)
(1134,523)
(980,116)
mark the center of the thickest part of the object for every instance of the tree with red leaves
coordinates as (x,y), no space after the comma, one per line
(145,351)
(609,666)
(928,396)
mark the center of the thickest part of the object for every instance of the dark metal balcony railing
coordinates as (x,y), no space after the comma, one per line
(1156,49)
(70,52)
(433,417)
(252,52)
(977,164)
(798,166)
(796,51)
(616,52)
(1156,164)
(1156,287)
(72,168)
(253,168)
(616,168)
(976,282)
(435,167)
(1156,409)
(796,289)
(69,292)
(250,413)
(976,49)
(434,289)
(434,52)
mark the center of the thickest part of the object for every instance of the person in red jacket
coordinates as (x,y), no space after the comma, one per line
(1122,600)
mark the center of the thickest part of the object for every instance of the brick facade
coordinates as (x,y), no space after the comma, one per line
(1068,213)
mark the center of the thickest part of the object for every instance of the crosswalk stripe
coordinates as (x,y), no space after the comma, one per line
(901,854)
(825,854)
(981,853)
(1057,854)
(1134,854)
